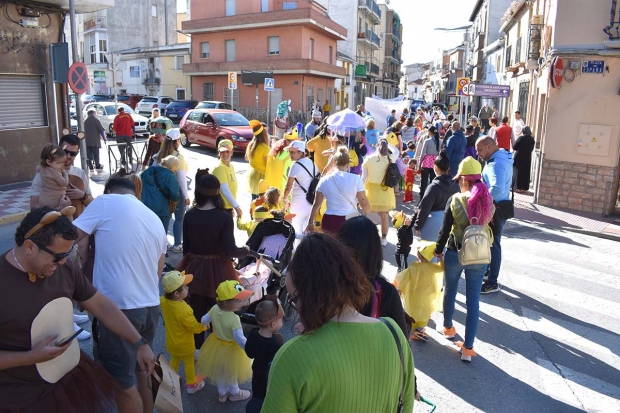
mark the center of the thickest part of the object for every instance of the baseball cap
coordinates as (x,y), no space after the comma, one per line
(172,280)
(263,186)
(173,134)
(468,166)
(225,145)
(427,249)
(232,290)
(297,145)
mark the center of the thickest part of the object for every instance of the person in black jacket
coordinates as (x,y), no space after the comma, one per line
(430,214)
(404,228)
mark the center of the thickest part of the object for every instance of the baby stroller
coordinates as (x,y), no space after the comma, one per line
(271,248)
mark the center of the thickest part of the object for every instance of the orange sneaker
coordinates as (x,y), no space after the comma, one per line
(449,332)
(466,353)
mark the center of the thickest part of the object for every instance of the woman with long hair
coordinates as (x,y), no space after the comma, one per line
(279,162)
(338,345)
(473,203)
(318,145)
(429,149)
(170,146)
(256,154)
(380,197)
(208,245)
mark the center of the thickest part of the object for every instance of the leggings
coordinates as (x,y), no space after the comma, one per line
(188,362)
(401,261)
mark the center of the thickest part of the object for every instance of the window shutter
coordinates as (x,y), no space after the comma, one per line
(22,102)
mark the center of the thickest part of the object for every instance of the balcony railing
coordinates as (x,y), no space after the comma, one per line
(372,68)
(613,30)
(371,5)
(95,23)
(373,37)
(517,57)
(533,47)
(396,32)
(151,81)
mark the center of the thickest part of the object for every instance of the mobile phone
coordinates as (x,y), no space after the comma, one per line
(69,339)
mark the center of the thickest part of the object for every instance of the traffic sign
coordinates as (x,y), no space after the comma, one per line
(269,84)
(460,83)
(489,91)
(232,80)
(78,77)
(556,72)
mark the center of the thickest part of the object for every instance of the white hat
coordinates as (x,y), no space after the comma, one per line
(297,145)
(316,114)
(173,134)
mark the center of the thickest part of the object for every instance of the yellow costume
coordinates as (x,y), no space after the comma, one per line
(318,145)
(420,287)
(226,175)
(258,167)
(381,198)
(277,170)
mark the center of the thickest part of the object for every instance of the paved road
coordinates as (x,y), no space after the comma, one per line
(549,342)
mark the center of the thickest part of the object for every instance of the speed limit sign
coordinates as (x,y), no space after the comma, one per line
(461,82)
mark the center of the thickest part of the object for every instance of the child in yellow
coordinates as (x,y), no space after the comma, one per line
(263,187)
(181,325)
(420,286)
(260,214)
(222,357)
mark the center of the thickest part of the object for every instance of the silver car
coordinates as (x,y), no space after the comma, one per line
(106,112)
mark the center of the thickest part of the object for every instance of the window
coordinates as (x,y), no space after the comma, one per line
(204,50)
(93,53)
(103,48)
(180,94)
(22,102)
(331,53)
(230,7)
(289,5)
(178,62)
(311,52)
(208,91)
(264,5)
(196,116)
(274,45)
(154,11)
(230,51)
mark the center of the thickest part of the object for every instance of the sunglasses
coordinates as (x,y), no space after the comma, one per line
(57,257)
(71,153)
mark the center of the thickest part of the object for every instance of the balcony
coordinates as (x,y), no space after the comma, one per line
(288,66)
(95,23)
(395,56)
(374,12)
(370,37)
(281,18)
(534,44)
(372,68)
(81,6)
(396,34)
(151,81)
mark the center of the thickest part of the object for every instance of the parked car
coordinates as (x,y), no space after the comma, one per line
(207,127)
(148,103)
(86,99)
(106,112)
(177,108)
(130,100)
(102,98)
(213,104)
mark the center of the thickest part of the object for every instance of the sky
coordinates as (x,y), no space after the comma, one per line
(419,18)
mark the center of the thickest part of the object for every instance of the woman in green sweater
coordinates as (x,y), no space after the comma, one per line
(343,361)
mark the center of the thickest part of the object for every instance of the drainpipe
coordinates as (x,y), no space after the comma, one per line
(166,19)
(78,101)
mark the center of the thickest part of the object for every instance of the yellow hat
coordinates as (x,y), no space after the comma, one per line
(232,290)
(172,280)
(292,136)
(427,249)
(398,218)
(263,186)
(257,127)
(225,145)
(262,214)
(468,166)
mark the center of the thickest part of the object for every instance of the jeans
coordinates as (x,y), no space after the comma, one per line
(427,176)
(473,282)
(496,253)
(125,149)
(92,153)
(177,227)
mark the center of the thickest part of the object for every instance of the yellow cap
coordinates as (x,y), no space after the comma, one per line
(262,214)
(398,218)
(172,280)
(427,249)
(263,186)
(225,145)
(468,166)
(232,290)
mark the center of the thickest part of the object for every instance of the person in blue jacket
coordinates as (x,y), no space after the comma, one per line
(159,186)
(455,147)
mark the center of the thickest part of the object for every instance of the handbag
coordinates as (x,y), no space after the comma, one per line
(166,387)
(172,205)
(401,403)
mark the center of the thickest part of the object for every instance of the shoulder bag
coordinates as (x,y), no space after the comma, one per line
(172,205)
(311,191)
(392,174)
(476,244)
(373,216)
(401,403)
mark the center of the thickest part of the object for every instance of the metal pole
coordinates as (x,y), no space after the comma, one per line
(232,92)
(114,82)
(269,113)
(78,100)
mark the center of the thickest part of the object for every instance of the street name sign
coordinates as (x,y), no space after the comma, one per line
(593,66)
(489,91)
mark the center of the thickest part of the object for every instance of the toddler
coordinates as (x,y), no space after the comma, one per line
(263,187)
(262,345)
(260,214)
(411,149)
(222,358)
(181,325)
(409,179)
(404,227)
(54,178)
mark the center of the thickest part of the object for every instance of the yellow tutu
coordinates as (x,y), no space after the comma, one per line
(253,179)
(223,361)
(380,198)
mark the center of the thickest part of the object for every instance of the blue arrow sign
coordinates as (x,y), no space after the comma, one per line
(269,84)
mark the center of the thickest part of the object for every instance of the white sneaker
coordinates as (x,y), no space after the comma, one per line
(193,388)
(177,248)
(242,395)
(384,242)
(84,335)
(196,355)
(79,318)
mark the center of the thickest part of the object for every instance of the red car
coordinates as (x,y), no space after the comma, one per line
(207,127)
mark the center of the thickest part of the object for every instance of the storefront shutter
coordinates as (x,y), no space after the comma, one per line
(22,102)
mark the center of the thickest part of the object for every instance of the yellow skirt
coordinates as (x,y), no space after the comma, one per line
(380,198)
(253,179)
(223,361)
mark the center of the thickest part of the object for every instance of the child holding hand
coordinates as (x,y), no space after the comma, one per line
(222,358)
(54,178)
(262,345)
(181,325)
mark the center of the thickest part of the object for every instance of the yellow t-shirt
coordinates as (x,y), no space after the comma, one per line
(226,175)
(376,166)
(182,163)
(420,285)
(258,160)
(327,107)
(277,170)
(318,145)
(181,325)
(224,323)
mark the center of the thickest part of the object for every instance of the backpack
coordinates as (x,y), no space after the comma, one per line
(476,244)
(311,191)
(392,174)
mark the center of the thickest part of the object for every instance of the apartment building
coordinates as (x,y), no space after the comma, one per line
(390,58)
(295,41)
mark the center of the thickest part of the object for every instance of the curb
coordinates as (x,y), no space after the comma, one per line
(12,218)
(597,234)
